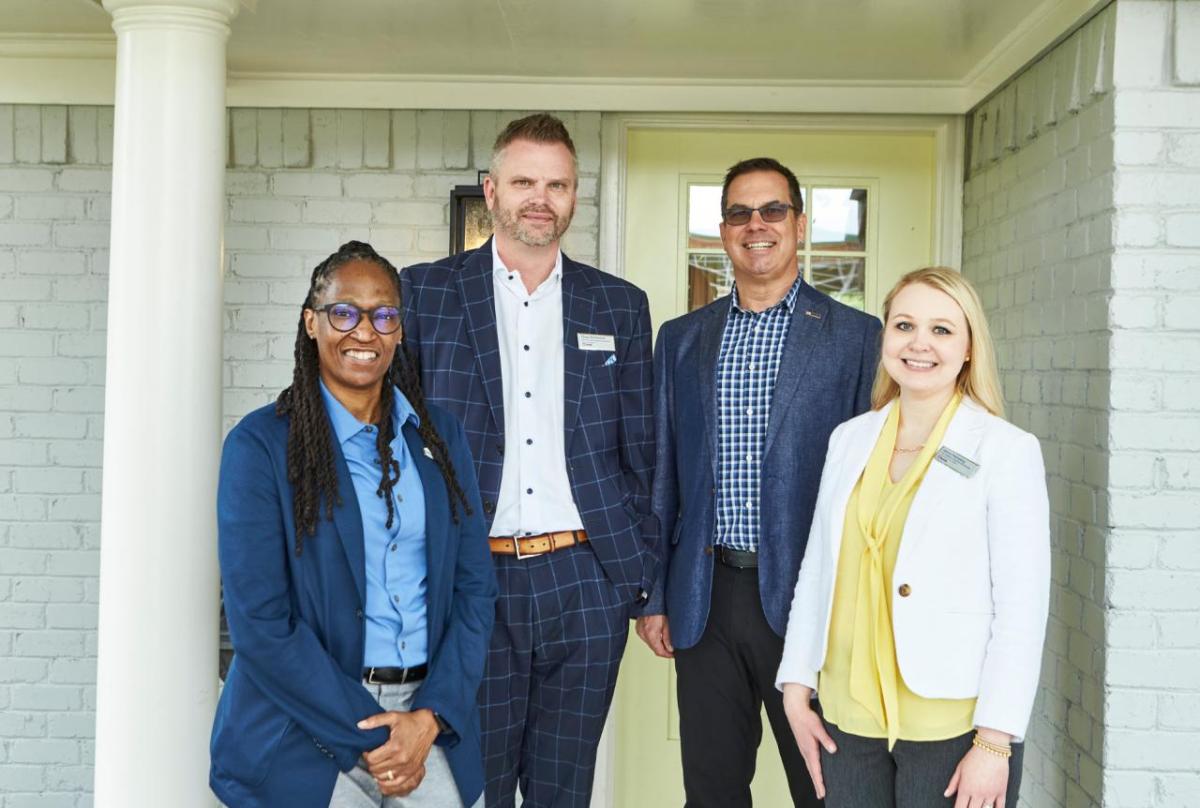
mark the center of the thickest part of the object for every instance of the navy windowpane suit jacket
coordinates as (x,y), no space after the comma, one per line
(450,323)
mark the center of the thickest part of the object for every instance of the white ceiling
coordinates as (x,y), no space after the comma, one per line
(843,42)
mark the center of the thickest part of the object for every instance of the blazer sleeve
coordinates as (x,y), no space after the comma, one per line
(636,428)
(806,620)
(1018,526)
(665,495)
(456,667)
(275,649)
(867,366)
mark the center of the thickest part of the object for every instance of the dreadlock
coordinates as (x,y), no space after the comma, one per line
(310,457)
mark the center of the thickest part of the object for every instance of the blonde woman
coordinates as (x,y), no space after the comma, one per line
(920,609)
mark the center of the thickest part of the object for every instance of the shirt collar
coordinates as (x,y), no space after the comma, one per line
(501,271)
(346,426)
(789,299)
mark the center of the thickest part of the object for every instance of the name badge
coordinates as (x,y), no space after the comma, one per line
(597,342)
(956,462)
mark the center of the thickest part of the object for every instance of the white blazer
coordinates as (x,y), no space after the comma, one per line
(973,566)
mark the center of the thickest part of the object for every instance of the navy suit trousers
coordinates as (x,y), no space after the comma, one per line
(551,670)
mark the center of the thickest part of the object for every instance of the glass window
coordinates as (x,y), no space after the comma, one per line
(839,219)
(704,217)
(841,277)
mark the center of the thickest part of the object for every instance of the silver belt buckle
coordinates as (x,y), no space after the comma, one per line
(517,549)
(371,676)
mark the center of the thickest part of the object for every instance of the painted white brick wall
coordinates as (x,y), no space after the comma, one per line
(1152,581)
(299,183)
(1038,213)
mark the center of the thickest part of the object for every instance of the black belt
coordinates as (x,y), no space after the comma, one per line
(738,559)
(394,676)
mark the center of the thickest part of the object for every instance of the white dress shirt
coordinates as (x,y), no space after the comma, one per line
(535,492)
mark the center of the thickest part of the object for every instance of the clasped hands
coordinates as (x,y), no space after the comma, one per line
(399,765)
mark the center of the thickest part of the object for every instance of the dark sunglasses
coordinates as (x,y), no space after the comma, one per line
(345,316)
(771,212)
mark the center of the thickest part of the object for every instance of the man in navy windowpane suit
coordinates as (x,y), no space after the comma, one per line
(547,363)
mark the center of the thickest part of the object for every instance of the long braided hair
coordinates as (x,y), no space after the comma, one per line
(310,456)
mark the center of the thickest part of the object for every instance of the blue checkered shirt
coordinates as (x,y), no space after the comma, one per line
(751,348)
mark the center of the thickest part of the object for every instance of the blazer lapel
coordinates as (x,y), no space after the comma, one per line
(808,319)
(707,354)
(963,435)
(348,520)
(578,312)
(851,466)
(478,296)
(437,511)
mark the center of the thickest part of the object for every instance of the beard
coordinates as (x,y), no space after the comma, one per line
(503,218)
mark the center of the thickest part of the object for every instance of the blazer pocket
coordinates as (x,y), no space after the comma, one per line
(246,732)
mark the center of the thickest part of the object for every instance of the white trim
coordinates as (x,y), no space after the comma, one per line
(1035,34)
(947,131)
(70,69)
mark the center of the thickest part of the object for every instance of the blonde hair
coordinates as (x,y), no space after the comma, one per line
(978,378)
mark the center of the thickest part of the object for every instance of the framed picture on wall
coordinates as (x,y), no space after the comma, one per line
(470,222)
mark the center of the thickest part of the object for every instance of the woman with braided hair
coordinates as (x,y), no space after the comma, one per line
(358,584)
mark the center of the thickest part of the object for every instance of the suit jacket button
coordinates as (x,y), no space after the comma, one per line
(358,613)
(905,590)
(500,448)
(489,506)
(708,549)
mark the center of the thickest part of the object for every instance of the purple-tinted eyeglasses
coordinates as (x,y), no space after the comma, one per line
(345,316)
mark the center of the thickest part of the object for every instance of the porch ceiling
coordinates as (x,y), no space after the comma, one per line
(914,43)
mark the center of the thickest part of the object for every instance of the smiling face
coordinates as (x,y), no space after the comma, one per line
(354,362)
(531,192)
(926,341)
(762,252)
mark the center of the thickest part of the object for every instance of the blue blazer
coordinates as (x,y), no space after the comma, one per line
(285,723)
(450,320)
(825,377)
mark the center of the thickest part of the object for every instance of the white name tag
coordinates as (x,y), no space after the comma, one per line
(956,462)
(597,342)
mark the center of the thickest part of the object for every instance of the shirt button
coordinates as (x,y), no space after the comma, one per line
(395,598)
(528,490)
(749,503)
(528,394)
(526,304)
(393,548)
(368,428)
(749,410)
(529,441)
(527,347)
(403,645)
(510,277)
(749,457)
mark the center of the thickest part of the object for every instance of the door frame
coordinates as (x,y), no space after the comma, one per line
(948,132)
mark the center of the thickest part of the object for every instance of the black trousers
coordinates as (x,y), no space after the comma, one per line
(864,774)
(722,683)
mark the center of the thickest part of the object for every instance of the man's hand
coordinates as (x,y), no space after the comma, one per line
(655,632)
(399,765)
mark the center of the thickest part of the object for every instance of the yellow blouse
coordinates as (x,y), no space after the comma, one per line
(861,689)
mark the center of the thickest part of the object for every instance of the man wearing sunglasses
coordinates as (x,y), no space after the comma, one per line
(747,392)
(547,362)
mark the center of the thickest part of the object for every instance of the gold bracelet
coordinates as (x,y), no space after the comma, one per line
(993,748)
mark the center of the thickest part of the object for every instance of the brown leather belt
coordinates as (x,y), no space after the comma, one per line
(525,546)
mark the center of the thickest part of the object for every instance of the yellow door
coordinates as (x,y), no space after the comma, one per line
(869,197)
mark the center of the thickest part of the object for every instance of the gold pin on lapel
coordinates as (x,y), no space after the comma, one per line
(812,314)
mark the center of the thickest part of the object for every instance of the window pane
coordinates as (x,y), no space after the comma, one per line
(841,278)
(839,219)
(704,217)
(709,277)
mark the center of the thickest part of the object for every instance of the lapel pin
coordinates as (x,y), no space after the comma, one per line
(428,453)
(812,314)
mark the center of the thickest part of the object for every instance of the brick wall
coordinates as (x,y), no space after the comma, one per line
(299,183)
(1152,693)
(1037,242)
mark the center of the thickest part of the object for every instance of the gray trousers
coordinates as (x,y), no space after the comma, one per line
(864,774)
(358,789)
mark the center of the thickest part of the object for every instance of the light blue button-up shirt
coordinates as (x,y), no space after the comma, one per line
(396,633)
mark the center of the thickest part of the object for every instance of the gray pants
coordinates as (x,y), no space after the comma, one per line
(864,774)
(358,789)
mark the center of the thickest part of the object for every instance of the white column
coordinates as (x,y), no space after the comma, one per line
(157,671)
